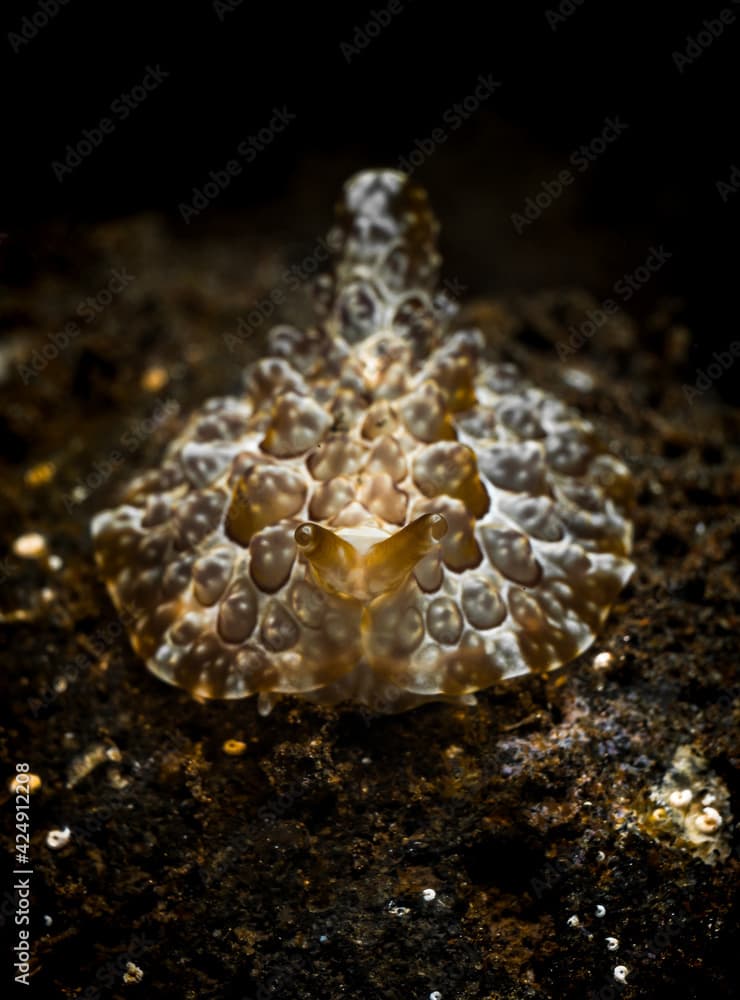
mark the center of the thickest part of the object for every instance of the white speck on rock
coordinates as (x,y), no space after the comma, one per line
(57,839)
(30,546)
(680,798)
(708,821)
(132,975)
(578,379)
(602,661)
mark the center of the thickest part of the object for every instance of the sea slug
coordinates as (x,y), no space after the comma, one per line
(384,516)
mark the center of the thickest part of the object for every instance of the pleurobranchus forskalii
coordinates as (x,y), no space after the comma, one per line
(384,516)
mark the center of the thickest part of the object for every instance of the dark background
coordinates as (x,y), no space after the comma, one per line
(655,185)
